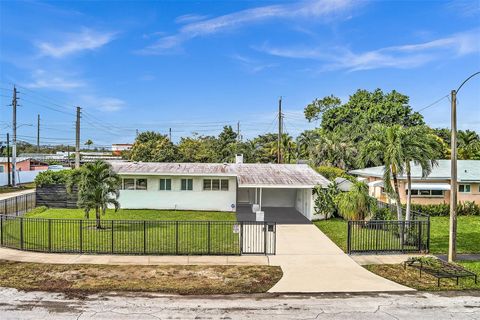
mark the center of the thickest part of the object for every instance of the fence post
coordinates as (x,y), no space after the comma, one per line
(349,236)
(112,237)
(26,203)
(420,242)
(81,235)
(377,234)
(241,237)
(209,241)
(265,228)
(49,235)
(144,237)
(21,233)
(1,230)
(5,206)
(16,206)
(176,237)
(428,236)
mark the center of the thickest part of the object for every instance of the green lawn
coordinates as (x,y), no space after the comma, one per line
(410,277)
(468,237)
(163,232)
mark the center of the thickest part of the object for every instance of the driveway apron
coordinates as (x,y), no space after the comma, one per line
(311,262)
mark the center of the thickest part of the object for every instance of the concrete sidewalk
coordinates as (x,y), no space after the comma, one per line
(311,262)
(15,194)
(25,256)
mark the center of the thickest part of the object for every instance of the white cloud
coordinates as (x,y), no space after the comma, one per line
(252,65)
(403,56)
(107,104)
(44,80)
(86,39)
(187,18)
(305,9)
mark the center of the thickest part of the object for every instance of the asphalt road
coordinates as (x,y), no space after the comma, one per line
(41,305)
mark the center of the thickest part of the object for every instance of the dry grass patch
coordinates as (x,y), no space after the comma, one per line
(410,277)
(165,279)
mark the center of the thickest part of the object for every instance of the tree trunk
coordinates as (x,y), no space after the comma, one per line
(397,198)
(409,194)
(97,217)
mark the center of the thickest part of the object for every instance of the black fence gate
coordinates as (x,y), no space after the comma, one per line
(390,236)
(18,205)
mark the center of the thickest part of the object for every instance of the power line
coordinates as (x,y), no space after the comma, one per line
(433,103)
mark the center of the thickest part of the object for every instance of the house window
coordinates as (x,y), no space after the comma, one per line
(215,184)
(165,184)
(187,184)
(128,184)
(464,188)
(1,169)
(141,184)
(426,193)
(224,184)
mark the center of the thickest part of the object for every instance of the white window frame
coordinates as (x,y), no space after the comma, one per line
(123,183)
(160,184)
(464,185)
(146,184)
(430,195)
(187,180)
(219,180)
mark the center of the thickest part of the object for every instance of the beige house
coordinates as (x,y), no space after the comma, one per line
(433,189)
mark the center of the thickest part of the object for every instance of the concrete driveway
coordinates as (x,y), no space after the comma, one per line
(311,262)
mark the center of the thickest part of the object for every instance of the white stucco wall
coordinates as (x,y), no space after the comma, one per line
(278,197)
(304,202)
(197,199)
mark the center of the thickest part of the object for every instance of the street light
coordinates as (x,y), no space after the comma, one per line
(452,239)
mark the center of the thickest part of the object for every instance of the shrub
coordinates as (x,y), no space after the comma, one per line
(467,208)
(384,214)
(333,172)
(53,177)
(325,200)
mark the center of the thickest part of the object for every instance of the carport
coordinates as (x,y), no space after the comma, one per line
(284,192)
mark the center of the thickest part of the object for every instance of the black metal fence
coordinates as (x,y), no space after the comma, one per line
(18,205)
(390,236)
(136,237)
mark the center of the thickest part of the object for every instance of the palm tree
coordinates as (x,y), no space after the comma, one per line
(421,148)
(88,143)
(385,146)
(355,204)
(335,150)
(98,186)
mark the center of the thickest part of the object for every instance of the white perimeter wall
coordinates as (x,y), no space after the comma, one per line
(197,199)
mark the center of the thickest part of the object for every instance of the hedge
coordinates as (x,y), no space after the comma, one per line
(467,208)
(53,177)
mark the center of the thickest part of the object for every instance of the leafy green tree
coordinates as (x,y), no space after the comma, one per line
(306,143)
(151,146)
(98,186)
(88,143)
(355,204)
(262,146)
(226,146)
(314,110)
(197,149)
(365,108)
(325,200)
(335,150)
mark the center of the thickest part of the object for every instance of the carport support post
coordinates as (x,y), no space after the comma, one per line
(260,202)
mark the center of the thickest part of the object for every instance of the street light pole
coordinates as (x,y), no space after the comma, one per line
(452,239)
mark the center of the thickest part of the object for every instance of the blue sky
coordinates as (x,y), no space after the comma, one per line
(194,66)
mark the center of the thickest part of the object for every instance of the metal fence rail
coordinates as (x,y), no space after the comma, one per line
(17,205)
(389,236)
(135,237)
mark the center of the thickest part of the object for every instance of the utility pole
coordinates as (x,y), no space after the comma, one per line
(9,178)
(38,133)
(14,142)
(170,134)
(136,132)
(280,129)
(238,131)
(452,241)
(77,139)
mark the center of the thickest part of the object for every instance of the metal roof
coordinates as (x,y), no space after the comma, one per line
(467,171)
(18,159)
(248,174)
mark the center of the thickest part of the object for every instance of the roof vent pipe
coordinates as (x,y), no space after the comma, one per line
(239,158)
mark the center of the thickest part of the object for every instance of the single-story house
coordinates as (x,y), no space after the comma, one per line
(118,148)
(433,189)
(23,164)
(217,186)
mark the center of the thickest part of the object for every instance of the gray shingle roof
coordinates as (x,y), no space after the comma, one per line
(248,174)
(467,171)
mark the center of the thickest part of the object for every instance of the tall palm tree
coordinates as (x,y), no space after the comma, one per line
(333,149)
(421,148)
(98,186)
(385,146)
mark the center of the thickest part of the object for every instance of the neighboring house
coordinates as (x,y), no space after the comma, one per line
(343,184)
(23,164)
(118,148)
(433,189)
(217,186)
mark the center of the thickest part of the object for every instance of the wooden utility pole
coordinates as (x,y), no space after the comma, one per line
(452,241)
(9,177)
(14,141)
(280,133)
(77,139)
(170,134)
(238,131)
(38,133)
